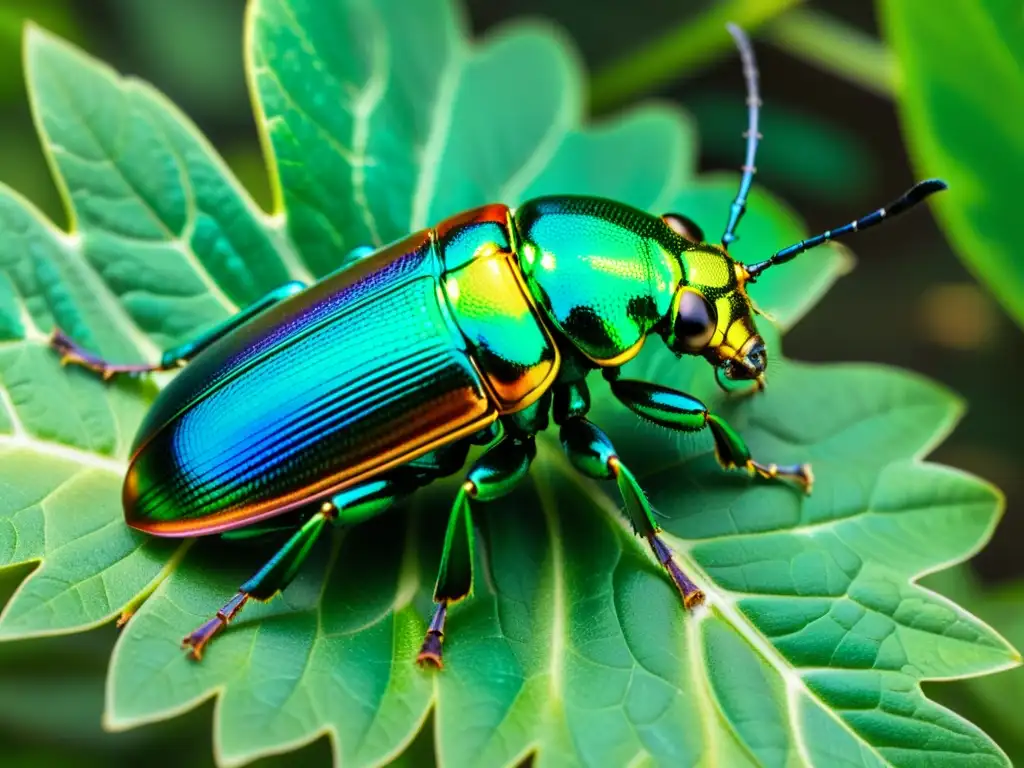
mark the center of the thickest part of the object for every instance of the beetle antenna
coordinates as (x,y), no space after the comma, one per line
(908,200)
(739,204)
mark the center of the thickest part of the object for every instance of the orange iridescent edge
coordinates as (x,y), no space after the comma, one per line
(500,213)
(238,518)
(532,395)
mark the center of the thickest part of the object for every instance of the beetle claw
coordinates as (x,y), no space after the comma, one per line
(73,354)
(692,595)
(800,474)
(807,476)
(198,639)
(430,653)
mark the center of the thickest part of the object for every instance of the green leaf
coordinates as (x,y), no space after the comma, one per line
(993,700)
(960,101)
(379,119)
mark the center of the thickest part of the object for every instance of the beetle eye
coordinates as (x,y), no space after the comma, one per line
(684,226)
(694,323)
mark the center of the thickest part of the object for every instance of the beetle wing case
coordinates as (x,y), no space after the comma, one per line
(363,371)
(420,344)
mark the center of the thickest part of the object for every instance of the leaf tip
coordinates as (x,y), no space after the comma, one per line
(36,37)
(111,723)
(31,29)
(845,260)
(39,44)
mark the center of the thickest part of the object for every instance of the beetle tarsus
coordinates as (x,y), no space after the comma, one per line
(584,442)
(431,651)
(692,594)
(73,354)
(801,474)
(67,349)
(198,639)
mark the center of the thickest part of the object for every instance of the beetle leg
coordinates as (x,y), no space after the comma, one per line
(492,476)
(268,581)
(593,454)
(454,575)
(73,353)
(350,506)
(679,411)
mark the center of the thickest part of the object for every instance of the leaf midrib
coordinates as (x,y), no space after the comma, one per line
(723,602)
(176,241)
(363,108)
(694,654)
(62,452)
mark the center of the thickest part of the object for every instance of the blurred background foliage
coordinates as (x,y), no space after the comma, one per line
(834,148)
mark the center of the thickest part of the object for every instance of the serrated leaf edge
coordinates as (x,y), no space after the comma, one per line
(36,41)
(88,462)
(723,601)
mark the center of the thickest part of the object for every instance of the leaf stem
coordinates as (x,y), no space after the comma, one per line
(836,47)
(694,43)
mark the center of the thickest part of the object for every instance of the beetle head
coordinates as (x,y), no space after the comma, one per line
(711,314)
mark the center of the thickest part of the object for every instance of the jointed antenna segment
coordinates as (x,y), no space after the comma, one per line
(909,199)
(739,205)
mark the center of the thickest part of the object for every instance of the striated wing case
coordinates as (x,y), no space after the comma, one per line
(362,372)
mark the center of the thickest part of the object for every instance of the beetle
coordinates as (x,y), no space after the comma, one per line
(326,404)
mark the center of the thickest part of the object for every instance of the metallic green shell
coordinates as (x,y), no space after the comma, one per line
(605,273)
(492,305)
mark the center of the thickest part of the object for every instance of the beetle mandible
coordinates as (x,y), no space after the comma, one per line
(328,403)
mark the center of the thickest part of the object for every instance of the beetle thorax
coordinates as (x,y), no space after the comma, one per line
(604,273)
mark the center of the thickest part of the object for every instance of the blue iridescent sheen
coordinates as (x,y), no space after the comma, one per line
(365,367)
(403,352)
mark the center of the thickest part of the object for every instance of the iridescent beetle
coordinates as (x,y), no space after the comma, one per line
(326,404)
